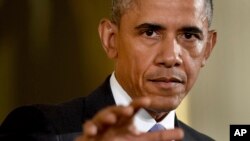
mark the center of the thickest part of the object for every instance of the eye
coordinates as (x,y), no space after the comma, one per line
(190,36)
(150,33)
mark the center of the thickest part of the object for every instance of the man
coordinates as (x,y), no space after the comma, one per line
(158,47)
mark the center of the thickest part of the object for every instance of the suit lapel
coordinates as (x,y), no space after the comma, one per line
(179,124)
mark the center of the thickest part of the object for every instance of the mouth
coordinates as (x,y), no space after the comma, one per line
(167,80)
(167,83)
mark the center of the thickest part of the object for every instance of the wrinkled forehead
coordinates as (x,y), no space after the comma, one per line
(196,8)
(138,5)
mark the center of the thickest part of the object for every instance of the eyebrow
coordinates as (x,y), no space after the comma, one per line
(192,29)
(153,26)
(150,26)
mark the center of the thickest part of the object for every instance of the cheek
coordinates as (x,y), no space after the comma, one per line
(192,68)
(139,55)
(133,61)
(192,63)
(140,66)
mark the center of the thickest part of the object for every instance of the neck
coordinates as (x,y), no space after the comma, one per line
(157,116)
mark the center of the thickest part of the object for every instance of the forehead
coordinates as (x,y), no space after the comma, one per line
(197,5)
(167,11)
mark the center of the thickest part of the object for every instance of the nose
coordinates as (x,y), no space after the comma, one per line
(169,54)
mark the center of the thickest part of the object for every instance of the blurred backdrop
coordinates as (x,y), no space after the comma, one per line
(50,52)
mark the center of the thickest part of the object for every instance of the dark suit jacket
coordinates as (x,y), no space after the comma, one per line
(63,122)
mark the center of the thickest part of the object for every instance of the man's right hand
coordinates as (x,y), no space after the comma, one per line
(115,123)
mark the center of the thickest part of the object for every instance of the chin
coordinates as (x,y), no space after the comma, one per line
(165,103)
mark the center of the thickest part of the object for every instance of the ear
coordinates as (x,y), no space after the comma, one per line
(107,31)
(212,39)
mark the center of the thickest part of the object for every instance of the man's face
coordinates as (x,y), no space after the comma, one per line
(161,46)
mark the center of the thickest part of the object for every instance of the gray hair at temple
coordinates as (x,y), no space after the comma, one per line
(120,6)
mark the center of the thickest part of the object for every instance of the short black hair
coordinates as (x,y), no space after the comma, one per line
(120,6)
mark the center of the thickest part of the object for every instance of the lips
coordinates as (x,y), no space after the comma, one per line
(167,83)
(167,80)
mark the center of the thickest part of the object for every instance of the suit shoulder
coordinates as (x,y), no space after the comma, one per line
(192,134)
(45,118)
(25,119)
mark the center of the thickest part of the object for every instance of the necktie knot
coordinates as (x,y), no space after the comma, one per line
(156,127)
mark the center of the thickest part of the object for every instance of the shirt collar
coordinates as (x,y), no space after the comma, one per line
(143,121)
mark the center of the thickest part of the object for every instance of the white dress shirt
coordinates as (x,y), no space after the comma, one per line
(143,121)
